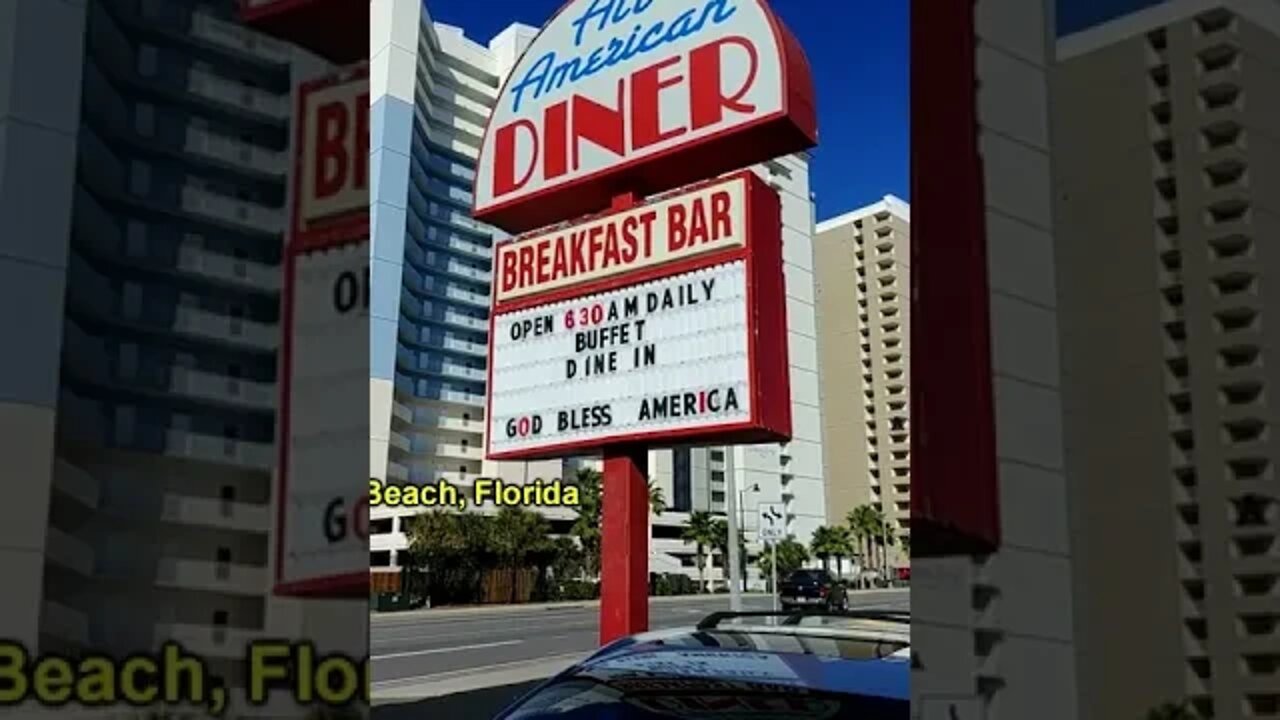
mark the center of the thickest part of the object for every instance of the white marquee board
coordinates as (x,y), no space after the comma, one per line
(324,524)
(669,354)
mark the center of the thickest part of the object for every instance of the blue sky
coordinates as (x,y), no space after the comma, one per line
(858,52)
(1075,15)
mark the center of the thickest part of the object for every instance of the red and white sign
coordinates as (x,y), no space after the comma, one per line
(321,531)
(665,321)
(331,160)
(640,96)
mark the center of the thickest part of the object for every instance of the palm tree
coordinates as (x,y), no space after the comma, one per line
(791,556)
(657,503)
(701,531)
(887,540)
(1171,711)
(861,522)
(518,535)
(586,526)
(843,547)
(824,544)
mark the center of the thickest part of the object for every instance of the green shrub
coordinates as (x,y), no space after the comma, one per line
(579,590)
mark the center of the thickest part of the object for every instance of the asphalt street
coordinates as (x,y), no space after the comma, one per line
(463,655)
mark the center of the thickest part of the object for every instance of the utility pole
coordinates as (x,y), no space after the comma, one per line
(734,567)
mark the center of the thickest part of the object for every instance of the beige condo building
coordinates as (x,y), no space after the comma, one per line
(862,276)
(1168,182)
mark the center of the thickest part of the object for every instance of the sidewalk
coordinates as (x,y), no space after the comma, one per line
(559,605)
(581,604)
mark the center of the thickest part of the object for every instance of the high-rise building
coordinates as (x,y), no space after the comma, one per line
(863,302)
(142,192)
(432,91)
(1168,179)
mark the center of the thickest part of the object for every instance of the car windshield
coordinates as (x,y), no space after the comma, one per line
(806,576)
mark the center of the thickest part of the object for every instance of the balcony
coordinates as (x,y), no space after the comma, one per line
(400,441)
(68,551)
(234,152)
(207,448)
(452,292)
(237,95)
(208,640)
(224,328)
(76,483)
(234,212)
(441,111)
(396,471)
(198,261)
(221,388)
(442,314)
(440,237)
(215,513)
(223,577)
(449,168)
(440,190)
(440,421)
(64,623)
(401,411)
(456,451)
(425,311)
(236,38)
(422,474)
(452,396)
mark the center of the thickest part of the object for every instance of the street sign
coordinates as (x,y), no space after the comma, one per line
(659,321)
(772,526)
(643,95)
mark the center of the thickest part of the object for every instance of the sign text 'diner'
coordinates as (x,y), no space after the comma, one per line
(627,94)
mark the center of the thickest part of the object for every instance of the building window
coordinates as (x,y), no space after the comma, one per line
(681,480)
(148,59)
(144,119)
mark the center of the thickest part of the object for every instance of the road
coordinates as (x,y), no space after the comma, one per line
(482,651)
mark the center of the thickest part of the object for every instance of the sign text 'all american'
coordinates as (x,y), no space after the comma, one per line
(712,218)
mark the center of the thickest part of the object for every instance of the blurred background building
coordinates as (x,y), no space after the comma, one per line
(1167,122)
(143,193)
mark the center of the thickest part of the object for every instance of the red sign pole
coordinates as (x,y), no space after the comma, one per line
(624,543)
(624,532)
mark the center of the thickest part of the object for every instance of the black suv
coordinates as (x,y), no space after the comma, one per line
(812,588)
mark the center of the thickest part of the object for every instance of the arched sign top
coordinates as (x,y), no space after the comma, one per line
(640,96)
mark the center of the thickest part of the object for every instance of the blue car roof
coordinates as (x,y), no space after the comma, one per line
(887,677)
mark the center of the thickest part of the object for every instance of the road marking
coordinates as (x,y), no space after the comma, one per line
(482,669)
(437,651)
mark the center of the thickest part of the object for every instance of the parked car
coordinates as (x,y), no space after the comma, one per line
(812,589)
(738,665)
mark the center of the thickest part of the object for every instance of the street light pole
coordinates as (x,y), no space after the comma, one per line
(731,521)
(742,517)
(773,548)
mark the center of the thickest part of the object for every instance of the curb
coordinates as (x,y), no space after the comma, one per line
(531,608)
(551,606)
